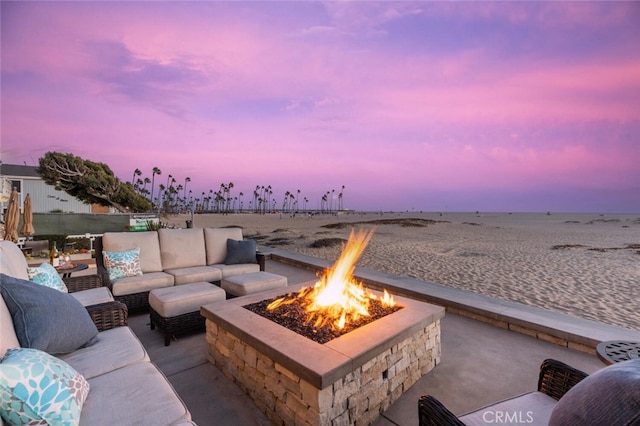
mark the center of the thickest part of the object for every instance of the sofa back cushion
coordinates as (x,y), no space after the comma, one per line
(12,261)
(182,248)
(8,338)
(216,242)
(147,241)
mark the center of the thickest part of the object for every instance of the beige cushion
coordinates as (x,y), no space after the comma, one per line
(146,282)
(195,274)
(93,296)
(182,248)
(12,261)
(173,301)
(136,394)
(240,285)
(216,242)
(8,338)
(533,408)
(243,268)
(150,260)
(108,351)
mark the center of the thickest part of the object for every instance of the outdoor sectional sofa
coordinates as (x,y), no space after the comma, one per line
(48,341)
(171,257)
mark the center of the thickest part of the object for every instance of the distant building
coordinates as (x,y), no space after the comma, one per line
(44,198)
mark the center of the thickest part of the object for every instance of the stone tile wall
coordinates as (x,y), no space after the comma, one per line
(361,395)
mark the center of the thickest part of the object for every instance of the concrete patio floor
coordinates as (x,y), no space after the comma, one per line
(480,364)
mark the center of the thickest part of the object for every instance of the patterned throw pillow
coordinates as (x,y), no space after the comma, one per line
(121,264)
(46,275)
(37,388)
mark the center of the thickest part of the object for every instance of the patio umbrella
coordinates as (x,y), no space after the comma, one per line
(11,218)
(27,217)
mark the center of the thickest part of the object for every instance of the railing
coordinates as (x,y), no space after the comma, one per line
(90,237)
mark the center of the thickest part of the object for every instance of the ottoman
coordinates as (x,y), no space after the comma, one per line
(243,284)
(176,309)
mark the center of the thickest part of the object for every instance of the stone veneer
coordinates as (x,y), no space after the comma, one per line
(347,381)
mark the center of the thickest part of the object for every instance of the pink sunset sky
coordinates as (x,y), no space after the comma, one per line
(458,106)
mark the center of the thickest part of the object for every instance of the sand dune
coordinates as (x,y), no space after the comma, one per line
(580,264)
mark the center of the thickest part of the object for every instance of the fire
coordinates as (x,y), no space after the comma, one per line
(337,298)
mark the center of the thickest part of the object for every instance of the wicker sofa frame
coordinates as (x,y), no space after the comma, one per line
(555,379)
(105,315)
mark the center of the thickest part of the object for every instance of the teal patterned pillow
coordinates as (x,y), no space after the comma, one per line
(121,264)
(37,388)
(46,275)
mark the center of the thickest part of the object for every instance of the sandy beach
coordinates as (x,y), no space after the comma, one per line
(585,265)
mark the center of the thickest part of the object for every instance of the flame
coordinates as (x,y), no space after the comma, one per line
(337,298)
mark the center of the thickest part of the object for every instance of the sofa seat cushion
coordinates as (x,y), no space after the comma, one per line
(216,242)
(182,248)
(142,283)
(138,394)
(93,296)
(195,274)
(147,242)
(110,350)
(533,408)
(239,269)
(241,285)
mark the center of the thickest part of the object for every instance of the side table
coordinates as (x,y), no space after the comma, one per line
(67,270)
(617,350)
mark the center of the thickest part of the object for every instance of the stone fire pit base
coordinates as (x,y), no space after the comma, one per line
(349,380)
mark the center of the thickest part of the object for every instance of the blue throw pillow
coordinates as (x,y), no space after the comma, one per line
(37,388)
(46,275)
(239,252)
(44,318)
(122,264)
(610,396)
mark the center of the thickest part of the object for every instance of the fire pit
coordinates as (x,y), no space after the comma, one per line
(353,377)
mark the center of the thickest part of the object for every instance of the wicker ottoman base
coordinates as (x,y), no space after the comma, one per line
(171,326)
(176,309)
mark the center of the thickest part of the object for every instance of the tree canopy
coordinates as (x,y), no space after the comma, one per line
(90,182)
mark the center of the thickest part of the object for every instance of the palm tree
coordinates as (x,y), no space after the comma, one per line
(146,181)
(156,171)
(188,179)
(136,172)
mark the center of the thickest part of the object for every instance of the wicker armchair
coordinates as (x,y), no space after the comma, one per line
(555,379)
(106,315)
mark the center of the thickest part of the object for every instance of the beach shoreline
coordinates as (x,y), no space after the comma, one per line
(585,265)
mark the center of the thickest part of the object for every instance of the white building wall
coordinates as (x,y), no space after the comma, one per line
(45,198)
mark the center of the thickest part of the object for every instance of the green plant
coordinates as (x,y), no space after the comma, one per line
(154,226)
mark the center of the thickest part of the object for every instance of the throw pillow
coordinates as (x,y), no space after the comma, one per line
(46,275)
(240,252)
(610,396)
(44,318)
(122,264)
(37,388)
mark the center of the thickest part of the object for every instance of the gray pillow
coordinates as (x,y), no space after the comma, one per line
(610,396)
(44,318)
(240,252)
